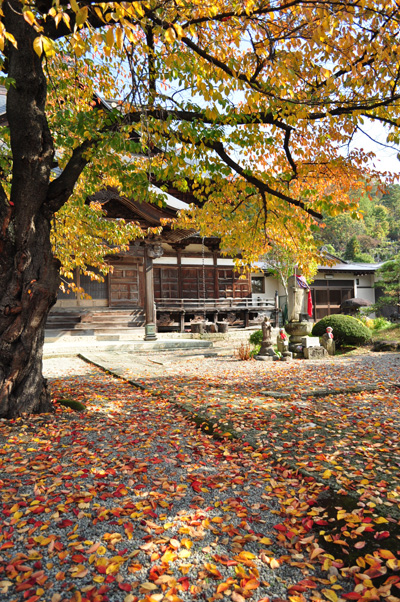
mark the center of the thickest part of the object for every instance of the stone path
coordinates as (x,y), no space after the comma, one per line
(338,374)
(290,410)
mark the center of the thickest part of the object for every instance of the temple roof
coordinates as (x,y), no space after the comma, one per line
(121,207)
(146,214)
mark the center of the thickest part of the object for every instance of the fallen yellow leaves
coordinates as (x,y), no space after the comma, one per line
(316,552)
(330,595)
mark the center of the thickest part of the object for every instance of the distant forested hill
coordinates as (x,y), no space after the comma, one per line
(374,238)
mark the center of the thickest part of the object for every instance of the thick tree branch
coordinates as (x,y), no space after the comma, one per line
(259,184)
(287,151)
(62,187)
(251,81)
(231,119)
(151,64)
(385,120)
(54,32)
(353,107)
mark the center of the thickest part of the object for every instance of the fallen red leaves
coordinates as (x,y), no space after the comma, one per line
(132,501)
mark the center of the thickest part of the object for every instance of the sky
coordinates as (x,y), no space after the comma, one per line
(386,158)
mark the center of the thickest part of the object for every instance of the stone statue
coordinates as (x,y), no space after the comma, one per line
(328,342)
(267,331)
(267,352)
(298,325)
(296,300)
(282,341)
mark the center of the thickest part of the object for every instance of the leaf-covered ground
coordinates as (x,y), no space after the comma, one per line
(130,501)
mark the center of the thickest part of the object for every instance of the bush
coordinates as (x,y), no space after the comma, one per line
(72,403)
(256,337)
(346,329)
(368,322)
(243,352)
(380,323)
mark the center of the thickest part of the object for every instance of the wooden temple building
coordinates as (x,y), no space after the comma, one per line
(164,281)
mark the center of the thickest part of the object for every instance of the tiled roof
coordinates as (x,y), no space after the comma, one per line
(351,267)
(340,266)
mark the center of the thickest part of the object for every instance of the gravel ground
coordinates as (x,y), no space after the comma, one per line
(354,426)
(129,501)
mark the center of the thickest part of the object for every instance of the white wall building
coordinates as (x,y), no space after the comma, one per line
(332,285)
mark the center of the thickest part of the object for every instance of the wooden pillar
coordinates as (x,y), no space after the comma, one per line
(78,284)
(216,283)
(150,252)
(179,248)
(179,262)
(182,321)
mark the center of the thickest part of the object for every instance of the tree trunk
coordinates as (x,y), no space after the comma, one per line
(28,271)
(30,281)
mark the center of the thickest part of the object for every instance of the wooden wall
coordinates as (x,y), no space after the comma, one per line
(196,282)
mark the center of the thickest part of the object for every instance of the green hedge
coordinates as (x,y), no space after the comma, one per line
(346,329)
(256,337)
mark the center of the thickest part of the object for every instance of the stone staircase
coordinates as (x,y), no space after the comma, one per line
(114,319)
(104,321)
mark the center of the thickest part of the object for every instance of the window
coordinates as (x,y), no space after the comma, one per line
(257,285)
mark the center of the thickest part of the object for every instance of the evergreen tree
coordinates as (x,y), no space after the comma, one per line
(389,281)
(352,249)
(391,200)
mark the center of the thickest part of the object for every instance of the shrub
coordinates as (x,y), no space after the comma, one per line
(256,337)
(72,403)
(243,352)
(346,329)
(368,322)
(380,323)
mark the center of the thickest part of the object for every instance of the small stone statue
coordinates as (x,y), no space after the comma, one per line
(282,341)
(267,351)
(328,342)
(267,331)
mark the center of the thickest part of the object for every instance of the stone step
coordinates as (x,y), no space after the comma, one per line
(93,347)
(101,315)
(111,319)
(103,320)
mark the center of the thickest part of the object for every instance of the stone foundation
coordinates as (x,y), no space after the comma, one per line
(315,353)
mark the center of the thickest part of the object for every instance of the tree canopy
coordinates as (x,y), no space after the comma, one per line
(375,237)
(388,280)
(248,106)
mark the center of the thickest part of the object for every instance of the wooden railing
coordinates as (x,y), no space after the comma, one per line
(228,303)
